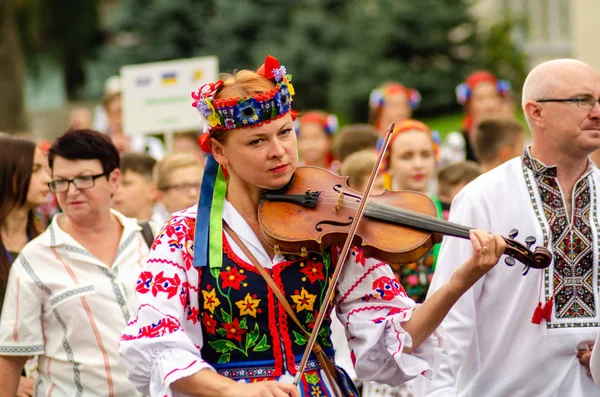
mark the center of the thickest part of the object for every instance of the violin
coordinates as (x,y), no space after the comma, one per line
(397,227)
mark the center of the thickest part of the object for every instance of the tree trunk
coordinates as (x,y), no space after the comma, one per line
(12,116)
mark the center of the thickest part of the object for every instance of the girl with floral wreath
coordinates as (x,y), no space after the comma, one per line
(392,101)
(208,324)
(315,131)
(482,95)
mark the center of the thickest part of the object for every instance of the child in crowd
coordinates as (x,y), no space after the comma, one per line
(482,96)
(315,130)
(451,179)
(187,142)
(392,102)
(411,162)
(497,140)
(357,167)
(137,193)
(354,138)
(123,142)
(178,178)
(410,165)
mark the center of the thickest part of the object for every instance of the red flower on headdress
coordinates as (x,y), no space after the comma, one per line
(267,68)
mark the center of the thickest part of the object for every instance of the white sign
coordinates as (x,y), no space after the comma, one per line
(156,97)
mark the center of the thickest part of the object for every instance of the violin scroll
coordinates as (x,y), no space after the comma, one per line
(540,258)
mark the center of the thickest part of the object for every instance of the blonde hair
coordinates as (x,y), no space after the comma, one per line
(165,167)
(243,83)
(358,166)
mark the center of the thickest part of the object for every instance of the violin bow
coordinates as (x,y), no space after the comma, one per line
(342,259)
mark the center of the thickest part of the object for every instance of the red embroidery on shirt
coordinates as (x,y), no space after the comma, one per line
(360,280)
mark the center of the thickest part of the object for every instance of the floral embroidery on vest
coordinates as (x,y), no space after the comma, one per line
(244,323)
(573,282)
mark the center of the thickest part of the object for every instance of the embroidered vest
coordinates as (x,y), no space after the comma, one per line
(245,325)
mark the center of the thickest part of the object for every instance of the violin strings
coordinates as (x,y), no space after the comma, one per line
(413,218)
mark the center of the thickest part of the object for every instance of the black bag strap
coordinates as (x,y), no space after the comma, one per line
(147,233)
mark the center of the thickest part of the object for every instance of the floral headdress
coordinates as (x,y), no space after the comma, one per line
(380,95)
(464,91)
(329,122)
(240,112)
(405,126)
(227,114)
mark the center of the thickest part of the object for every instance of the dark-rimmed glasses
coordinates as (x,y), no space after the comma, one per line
(80,182)
(586,102)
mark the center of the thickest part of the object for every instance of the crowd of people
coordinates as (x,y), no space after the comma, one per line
(129,269)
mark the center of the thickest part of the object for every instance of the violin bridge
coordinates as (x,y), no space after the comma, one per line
(340,201)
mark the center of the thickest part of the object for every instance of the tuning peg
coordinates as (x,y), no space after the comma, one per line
(530,241)
(510,261)
(513,233)
(525,270)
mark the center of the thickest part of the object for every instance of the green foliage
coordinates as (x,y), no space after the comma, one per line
(66,30)
(501,54)
(426,45)
(336,50)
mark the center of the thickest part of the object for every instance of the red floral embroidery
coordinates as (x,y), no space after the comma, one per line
(232,278)
(233,330)
(148,282)
(359,256)
(163,326)
(170,285)
(209,323)
(313,270)
(192,314)
(144,283)
(388,288)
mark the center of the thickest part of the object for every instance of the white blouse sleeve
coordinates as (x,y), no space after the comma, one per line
(162,341)
(372,305)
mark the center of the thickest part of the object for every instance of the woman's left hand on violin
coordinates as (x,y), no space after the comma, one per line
(487,250)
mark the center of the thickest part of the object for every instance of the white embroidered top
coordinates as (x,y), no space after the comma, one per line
(494,348)
(164,341)
(69,308)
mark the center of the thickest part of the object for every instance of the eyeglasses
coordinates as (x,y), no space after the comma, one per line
(586,102)
(80,182)
(181,188)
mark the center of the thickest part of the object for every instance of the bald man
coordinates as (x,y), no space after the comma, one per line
(523,336)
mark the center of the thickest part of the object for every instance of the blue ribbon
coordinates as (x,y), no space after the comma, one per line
(203,214)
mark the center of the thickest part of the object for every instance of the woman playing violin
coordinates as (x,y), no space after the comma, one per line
(208,324)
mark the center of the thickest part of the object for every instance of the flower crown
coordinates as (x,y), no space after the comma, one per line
(250,111)
(415,125)
(379,95)
(329,122)
(464,91)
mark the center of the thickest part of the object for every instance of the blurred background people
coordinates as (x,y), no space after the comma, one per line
(178,178)
(354,138)
(23,186)
(68,292)
(392,102)
(122,141)
(187,142)
(80,118)
(137,193)
(482,96)
(451,179)
(497,140)
(358,166)
(315,130)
